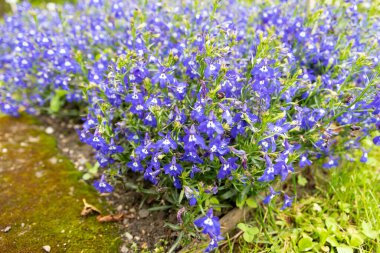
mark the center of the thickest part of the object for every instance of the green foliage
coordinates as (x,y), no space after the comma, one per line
(249,231)
(340,215)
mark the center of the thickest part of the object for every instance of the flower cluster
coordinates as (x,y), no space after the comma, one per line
(216,101)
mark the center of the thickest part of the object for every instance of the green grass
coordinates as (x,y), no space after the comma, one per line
(339,213)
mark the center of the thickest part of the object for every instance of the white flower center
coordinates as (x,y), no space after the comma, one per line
(210,124)
(208,221)
(264,69)
(192,138)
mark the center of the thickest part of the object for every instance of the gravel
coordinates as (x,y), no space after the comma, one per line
(6,229)
(46,248)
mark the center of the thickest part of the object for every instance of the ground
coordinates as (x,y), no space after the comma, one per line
(41,196)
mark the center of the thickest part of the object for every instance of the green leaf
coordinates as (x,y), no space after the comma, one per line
(94,169)
(301,180)
(323,234)
(56,102)
(356,241)
(249,232)
(228,195)
(181,196)
(368,231)
(248,237)
(253,230)
(345,207)
(344,249)
(242,197)
(251,202)
(333,242)
(305,244)
(159,208)
(87,176)
(331,224)
(172,226)
(214,202)
(242,226)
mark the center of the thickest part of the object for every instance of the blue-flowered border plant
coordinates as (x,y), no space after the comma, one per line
(213,101)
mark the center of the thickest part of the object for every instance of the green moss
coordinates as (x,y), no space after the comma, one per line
(41,196)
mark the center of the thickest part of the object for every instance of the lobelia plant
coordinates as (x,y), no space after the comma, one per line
(214,101)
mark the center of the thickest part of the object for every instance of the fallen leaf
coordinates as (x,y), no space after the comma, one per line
(88,208)
(110,217)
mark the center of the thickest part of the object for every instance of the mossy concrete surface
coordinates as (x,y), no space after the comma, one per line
(41,196)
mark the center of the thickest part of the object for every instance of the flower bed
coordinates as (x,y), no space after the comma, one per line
(213,102)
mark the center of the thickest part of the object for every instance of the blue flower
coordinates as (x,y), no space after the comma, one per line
(166,143)
(177,183)
(133,136)
(162,78)
(364,157)
(272,194)
(144,150)
(194,170)
(112,148)
(192,139)
(283,169)
(174,169)
(268,144)
(150,120)
(177,115)
(102,186)
(209,223)
(212,70)
(227,167)
(179,90)
(227,116)
(242,120)
(136,98)
(135,165)
(138,109)
(269,173)
(97,142)
(213,243)
(309,118)
(211,125)
(191,195)
(151,175)
(104,160)
(263,69)
(280,127)
(218,147)
(192,156)
(287,202)
(332,163)
(198,112)
(153,101)
(376,140)
(304,161)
